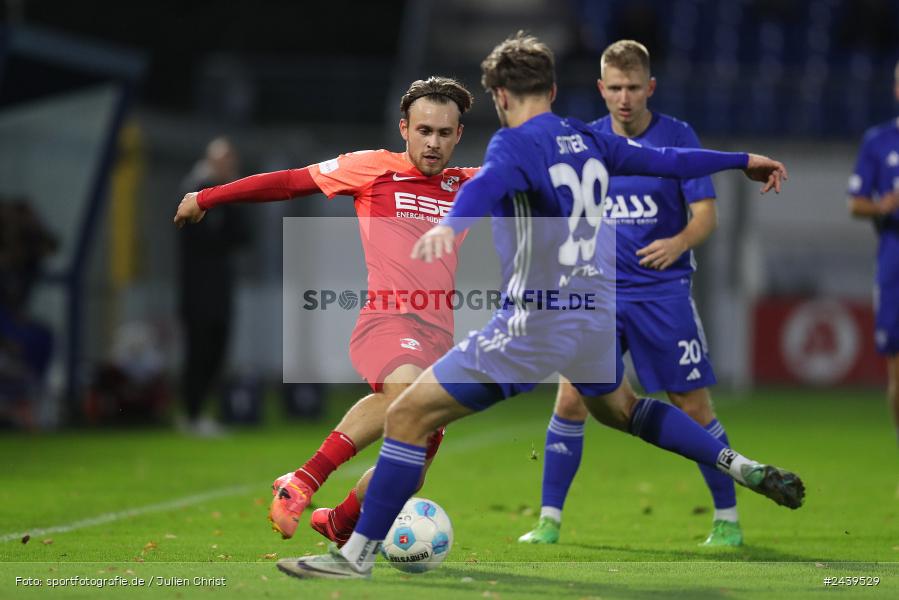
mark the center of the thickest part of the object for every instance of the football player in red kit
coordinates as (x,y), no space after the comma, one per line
(403,327)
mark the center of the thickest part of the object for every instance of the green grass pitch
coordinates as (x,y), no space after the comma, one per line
(140,504)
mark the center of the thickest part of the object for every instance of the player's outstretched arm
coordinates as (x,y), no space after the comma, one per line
(264,187)
(767,170)
(188,211)
(629,158)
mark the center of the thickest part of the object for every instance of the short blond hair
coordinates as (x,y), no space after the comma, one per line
(625,55)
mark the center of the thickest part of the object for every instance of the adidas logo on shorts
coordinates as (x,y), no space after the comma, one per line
(694,375)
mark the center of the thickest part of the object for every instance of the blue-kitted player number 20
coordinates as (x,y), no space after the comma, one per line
(692,352)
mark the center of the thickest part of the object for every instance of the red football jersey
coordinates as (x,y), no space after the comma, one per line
(396,204)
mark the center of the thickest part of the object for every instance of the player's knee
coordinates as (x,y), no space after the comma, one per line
(404,421)
(611,416)
(569,403)
(393,390)
(374,402)
(698,406)
(397,381)
(613,410)
(619,414)
(397,416)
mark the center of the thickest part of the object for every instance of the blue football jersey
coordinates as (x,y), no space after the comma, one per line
(545,183)
(557,175)
(877,173)
(645,209)
(877,168)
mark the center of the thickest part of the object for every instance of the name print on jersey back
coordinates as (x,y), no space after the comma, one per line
(570,144)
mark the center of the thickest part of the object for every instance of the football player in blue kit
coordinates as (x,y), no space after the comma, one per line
(658,222)
(541,175)
(874,194)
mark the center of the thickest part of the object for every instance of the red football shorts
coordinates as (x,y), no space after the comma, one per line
(382,342)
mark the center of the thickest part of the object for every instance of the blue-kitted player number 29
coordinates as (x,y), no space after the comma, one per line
(584,202)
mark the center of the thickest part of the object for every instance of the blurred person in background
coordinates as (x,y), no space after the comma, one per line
(206,287)
(874,194)
(26,345)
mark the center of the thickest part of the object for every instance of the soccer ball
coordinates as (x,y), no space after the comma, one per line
(420,538)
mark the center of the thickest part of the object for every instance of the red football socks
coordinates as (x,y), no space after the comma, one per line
(334,451)
(346,514)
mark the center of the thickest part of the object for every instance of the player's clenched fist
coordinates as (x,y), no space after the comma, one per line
(767,170)
(189,210)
